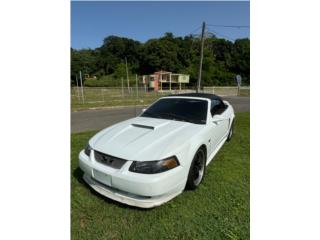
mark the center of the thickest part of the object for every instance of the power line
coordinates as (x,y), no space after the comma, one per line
(222,35)
(194,36)
(210,33)
(207,35)
(198,35)
(201,55)
(191,33)
(229,26)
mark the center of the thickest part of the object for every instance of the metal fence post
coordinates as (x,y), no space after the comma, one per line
(102,94)
(137,85)
(122,86)
(81,88)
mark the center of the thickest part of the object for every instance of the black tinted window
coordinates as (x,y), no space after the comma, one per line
(217,107)
(215,103)
(180,109)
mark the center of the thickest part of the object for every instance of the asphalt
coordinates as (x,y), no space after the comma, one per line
(88,120)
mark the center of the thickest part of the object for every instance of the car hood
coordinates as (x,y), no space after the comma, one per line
(144,139)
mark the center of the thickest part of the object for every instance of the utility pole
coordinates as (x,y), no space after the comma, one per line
(201,57)
(127,75)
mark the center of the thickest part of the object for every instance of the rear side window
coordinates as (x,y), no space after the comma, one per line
(217,107)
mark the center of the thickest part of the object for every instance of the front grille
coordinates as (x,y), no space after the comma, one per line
(108,160)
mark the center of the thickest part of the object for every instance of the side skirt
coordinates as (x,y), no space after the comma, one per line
(210,158)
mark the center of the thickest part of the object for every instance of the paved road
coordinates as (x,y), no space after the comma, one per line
(97,119)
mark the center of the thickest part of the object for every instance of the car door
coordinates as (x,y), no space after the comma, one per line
(219,122)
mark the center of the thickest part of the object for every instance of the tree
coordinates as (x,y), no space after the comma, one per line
(120,71)
(84,60)
(160,54)
(240,62)
(114,49)
(223,59)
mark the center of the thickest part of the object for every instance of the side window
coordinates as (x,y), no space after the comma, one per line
(217,107)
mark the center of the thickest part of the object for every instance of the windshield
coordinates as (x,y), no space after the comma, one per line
(179,109)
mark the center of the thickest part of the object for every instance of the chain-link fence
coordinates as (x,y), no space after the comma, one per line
(92,97)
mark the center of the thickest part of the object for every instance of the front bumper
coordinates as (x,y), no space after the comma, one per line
(135,189)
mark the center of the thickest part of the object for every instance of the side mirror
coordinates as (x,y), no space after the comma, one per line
(217,119)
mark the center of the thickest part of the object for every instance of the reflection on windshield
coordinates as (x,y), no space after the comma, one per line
(179,109)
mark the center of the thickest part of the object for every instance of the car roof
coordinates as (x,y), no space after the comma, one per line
(198,95)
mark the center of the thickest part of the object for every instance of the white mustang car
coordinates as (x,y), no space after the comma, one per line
(148,160)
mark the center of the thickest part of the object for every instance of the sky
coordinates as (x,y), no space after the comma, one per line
(91,22)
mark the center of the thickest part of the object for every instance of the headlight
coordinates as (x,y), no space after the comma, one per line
(87,150)
(150,167)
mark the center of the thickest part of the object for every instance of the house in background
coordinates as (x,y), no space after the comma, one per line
(164,80)
(88,77)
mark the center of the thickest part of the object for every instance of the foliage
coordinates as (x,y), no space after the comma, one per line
(223,59)
(81,60)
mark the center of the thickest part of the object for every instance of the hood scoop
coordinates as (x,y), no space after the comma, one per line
(149,123)
(142,126)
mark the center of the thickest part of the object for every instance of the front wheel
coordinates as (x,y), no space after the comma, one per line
(197,169)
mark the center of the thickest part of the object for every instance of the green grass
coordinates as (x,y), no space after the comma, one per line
(218,209)
(245,92)
(103,97)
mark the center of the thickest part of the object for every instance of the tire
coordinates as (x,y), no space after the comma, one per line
(230,134)
(197,169)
